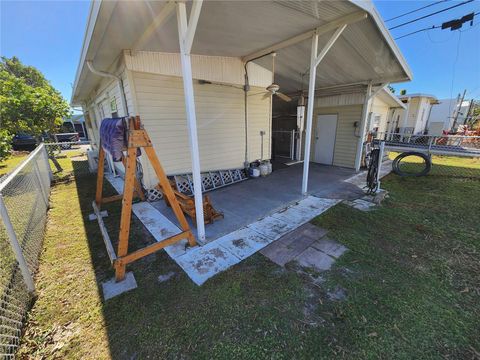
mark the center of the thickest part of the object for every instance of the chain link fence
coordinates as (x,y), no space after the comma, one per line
(446,155)
(24,196)
(68,159)
(23,211)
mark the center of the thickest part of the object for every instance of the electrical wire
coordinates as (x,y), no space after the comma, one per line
(431,14)
(432,28)
(413,11)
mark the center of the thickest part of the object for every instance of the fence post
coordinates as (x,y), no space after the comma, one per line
(40,184)
(380,161)
(292,145)
(47,163)
(27,276)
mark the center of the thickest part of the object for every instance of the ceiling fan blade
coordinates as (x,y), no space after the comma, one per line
(283,97)
(267,95)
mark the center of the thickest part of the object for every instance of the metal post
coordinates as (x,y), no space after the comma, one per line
(380,161)
(27,276)
(311,100)
(40,184)
(292,145)
(191,118)
(47,163)
(363,127)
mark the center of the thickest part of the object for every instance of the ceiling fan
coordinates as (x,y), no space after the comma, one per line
(274,89)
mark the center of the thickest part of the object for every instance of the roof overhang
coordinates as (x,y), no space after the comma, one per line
(365,52)
(390,99)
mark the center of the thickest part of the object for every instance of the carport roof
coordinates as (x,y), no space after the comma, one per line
(364,52)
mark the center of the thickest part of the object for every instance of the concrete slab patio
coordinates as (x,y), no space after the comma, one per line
(246,202)
(257,213)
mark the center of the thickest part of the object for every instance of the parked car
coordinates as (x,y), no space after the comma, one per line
(24,141)
(66,138)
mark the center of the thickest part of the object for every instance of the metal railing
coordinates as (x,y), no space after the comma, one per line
(453,145)
(23,212)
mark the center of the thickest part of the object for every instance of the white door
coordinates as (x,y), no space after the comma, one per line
(325,139)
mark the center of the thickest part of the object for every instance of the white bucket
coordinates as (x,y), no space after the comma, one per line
(254,172)
(263,169)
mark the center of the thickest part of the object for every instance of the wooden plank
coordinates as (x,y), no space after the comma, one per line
(126,210)
(104,232)
(112,198)
(100,171)
(151,248)
(168,192)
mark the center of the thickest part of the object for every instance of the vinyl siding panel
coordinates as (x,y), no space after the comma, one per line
(220,124)
(345,141)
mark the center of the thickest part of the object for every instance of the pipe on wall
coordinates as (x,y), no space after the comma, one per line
(111,76)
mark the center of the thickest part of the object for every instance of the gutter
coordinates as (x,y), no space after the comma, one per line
(111,76)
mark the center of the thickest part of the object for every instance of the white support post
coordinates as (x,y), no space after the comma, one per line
(311,101)
(186,32)
(363,126)
(27,276)
(405,119)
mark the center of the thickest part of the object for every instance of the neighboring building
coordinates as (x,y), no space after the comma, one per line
(414,119)
(442,116)
(76,123)
(336,123)
(130,65)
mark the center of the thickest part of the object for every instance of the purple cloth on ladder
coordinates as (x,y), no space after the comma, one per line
(113,135)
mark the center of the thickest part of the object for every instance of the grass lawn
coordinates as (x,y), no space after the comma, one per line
(12,162)
(411,276)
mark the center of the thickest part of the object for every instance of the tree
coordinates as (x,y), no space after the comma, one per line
(28,102)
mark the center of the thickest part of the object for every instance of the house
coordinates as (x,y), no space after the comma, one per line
(336,124)
(206,77)
(443,114)
(414,119)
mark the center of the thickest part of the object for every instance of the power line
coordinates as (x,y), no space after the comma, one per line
(428,15)
(413,11)
(426,29)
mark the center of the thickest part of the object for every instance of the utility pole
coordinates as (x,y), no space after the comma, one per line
(469,112)
(457,110)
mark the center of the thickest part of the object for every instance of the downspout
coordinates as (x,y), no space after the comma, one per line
(111,76)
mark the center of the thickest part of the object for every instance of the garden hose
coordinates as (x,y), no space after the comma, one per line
(399,158)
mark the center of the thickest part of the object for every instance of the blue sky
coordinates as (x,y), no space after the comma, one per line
(49,35)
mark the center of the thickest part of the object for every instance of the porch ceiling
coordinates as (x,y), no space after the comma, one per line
(364,52)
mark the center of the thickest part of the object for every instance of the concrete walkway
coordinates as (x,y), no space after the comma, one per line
(202,262)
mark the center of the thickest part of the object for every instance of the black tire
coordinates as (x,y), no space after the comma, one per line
(399,158)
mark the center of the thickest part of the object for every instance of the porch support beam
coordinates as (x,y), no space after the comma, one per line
(369,95)
(311,101)
(186,33)
(165,13)
(323,29)
(314,62)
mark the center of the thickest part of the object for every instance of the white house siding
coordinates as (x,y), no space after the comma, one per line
(346,140)
(221,69)
(220,123)
(381,109)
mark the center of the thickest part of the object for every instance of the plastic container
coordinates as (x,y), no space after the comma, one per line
(254,172)
(269,165)
(263,169)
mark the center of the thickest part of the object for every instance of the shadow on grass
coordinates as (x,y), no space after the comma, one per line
(247,310)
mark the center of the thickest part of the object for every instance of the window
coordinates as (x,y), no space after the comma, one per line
(113,107)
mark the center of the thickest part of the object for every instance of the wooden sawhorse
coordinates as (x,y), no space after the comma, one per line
(137,138)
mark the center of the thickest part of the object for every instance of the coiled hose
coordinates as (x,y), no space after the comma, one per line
(399,158)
